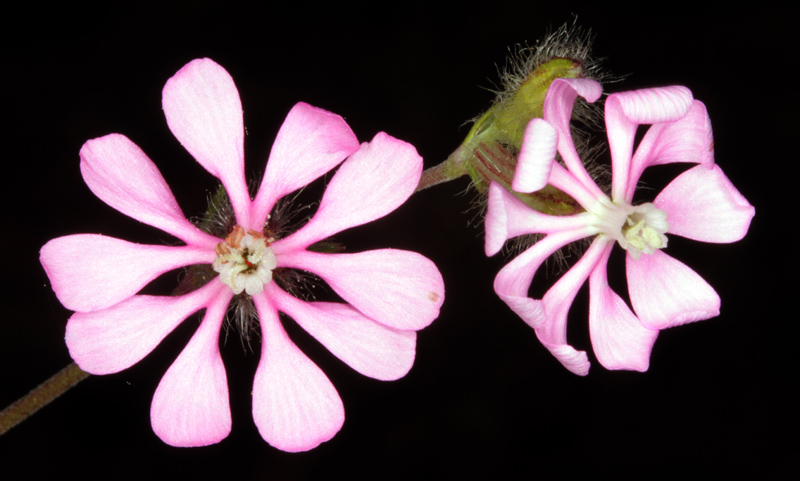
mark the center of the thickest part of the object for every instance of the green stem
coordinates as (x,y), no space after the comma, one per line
(41,396)
(452,168)
(434,175)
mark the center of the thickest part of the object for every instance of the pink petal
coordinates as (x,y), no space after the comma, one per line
(204,113)
(703,205)
(369,347)
(91,272)
(557,302)
(627,110)
(563,180)
(666,293)
(122,176)
(397,288)
(576,362)
(190,406)
(508,217)
(113,339)
(689,139)
(514,280)
(311,142)
(536,156)
(558,105)
(295,406)
(619,339)
(371,183)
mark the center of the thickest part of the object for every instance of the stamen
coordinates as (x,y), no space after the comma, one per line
(637,229)
(245,261)
(235,237)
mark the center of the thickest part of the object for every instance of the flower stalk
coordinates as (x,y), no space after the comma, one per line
(41,396)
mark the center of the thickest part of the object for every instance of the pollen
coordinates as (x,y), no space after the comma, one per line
(245,261)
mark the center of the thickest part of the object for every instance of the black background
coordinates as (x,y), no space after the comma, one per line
(484,397)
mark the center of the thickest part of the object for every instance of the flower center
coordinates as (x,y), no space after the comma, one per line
(245,261)
(637,229)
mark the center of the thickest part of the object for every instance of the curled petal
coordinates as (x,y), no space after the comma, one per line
(562,95)
(371,183)
(689,139)
(400,289)
(558,105)
(576,362)
(627,110)
(619,339)
(113,339)
(666,293)
(367,346)
(536,156)
(122,176)
(190,406)
(91,272)
(497,220)
(311,142)
(508,217)
(514,280)
(295,406)
(204,113)
(650,106)
(557,302)
(703,205)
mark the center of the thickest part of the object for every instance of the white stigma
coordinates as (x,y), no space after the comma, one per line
(245,261)
(637,229)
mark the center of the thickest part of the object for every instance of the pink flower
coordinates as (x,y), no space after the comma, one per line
(700,204)
(390,293)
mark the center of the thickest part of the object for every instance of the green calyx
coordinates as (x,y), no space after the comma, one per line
(505,122)
(489,152)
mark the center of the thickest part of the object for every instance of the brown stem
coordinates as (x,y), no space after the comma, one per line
(41,396)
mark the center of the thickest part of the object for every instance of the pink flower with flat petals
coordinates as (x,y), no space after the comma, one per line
(700,204)
(390,294)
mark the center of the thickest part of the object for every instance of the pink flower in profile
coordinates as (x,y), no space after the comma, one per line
(390,294)
(700,204)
